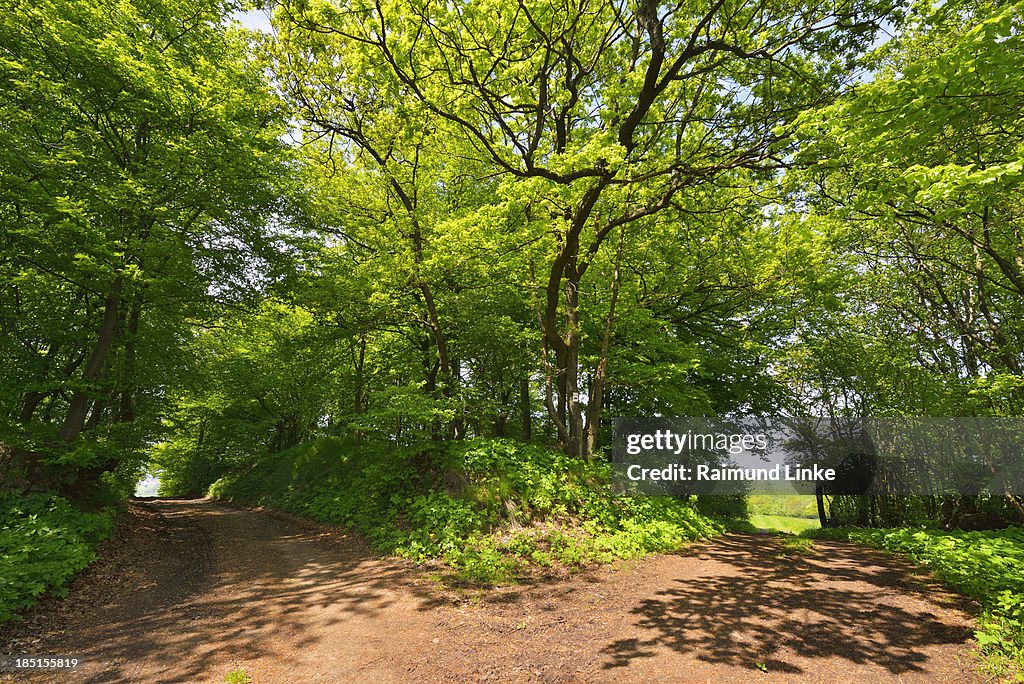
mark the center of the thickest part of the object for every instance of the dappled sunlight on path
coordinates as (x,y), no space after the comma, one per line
(187,591)
(752,604)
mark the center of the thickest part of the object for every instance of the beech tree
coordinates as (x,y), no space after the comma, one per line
(595,115)
(936,216)
(139,159)
(914,181)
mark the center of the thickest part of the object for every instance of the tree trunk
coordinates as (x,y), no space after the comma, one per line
(32,399)
(126,408)
(595,401)
(440,343)
(29,406)
(95,414)
(571,373)
(564,279)
(819,496)
(75,419)
(525,409)
(359,364)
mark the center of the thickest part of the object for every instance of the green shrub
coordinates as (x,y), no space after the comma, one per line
(489,508)
(987,566)
(44,542)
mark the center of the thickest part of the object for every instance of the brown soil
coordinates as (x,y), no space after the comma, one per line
(187,591)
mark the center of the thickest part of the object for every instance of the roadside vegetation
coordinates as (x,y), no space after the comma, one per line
(491,509)
(44,543)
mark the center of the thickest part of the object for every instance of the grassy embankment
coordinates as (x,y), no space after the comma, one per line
(491,509)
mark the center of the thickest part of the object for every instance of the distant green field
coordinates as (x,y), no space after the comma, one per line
(787,505)
(783,523)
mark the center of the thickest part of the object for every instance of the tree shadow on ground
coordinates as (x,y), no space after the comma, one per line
(757,606)
(226,585)
(187,590)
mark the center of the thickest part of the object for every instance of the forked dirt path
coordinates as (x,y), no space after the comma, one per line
(187,591)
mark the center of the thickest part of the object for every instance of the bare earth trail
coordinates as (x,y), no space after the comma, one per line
(189,590)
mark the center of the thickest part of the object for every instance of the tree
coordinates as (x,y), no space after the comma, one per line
(917,179)
(140,157)
(595,115)
(937,216)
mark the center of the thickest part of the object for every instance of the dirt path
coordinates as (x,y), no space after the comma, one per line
(189,590)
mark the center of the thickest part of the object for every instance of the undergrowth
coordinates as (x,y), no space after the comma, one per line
(44,542)
(489,508)
(987,566)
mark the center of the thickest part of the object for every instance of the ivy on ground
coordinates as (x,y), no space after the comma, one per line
(44,543)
